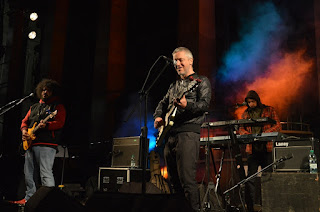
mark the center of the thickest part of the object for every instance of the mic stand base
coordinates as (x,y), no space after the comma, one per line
(61,186)
(205,205)
(144,139)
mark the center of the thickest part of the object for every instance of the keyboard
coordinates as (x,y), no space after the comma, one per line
(245,139)
(257,121)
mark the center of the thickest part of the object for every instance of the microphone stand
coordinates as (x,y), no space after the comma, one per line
(242,182)
(13,103)
(144,130)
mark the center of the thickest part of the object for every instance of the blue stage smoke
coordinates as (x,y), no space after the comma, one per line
(260,36)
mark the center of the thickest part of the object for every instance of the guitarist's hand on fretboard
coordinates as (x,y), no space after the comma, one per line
(158,122)
(182,103)
(42,125)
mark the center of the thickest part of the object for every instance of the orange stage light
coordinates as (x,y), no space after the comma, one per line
(164,172)
(283,83)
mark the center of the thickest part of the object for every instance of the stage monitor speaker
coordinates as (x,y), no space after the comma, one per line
(298,148)
(47,199)
(124,148)
(124,202)
(283,192)
(136,188)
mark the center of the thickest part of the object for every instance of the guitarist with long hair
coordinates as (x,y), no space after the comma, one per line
(186,107)
(48,117)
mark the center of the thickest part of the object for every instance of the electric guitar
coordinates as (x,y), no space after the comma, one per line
(27,142)
(170,115)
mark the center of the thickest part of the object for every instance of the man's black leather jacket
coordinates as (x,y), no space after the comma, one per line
(191,117)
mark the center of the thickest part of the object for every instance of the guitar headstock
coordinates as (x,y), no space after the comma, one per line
(193,84)
(53,114)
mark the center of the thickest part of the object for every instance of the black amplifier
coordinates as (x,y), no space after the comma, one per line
(124,148)
(299,148)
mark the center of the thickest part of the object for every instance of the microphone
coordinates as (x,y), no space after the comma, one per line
(14,103)
(116,152)
(287,157)
(26,97)
(241,104)
(170,60)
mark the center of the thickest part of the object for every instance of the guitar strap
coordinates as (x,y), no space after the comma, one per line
(180,88)
(177,89)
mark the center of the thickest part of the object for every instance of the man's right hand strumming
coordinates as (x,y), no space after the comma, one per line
(25,135)
(158,122)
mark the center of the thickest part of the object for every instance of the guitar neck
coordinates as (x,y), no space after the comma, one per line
(180,95)
(36,128)
(44,121)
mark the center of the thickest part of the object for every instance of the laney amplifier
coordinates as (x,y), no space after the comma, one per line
(111,179)
(298,148)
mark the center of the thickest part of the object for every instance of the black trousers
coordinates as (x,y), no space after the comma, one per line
(254,161)
(181,154)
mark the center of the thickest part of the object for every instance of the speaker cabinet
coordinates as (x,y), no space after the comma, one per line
(124,202)
(298,148)
(136,188)
(283,192)
(124,148)
(48,199)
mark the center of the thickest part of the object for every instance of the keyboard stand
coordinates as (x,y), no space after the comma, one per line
(239,165)
(205,205)
(238,157)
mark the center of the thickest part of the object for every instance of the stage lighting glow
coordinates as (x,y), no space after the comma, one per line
(32,35)
(33,16)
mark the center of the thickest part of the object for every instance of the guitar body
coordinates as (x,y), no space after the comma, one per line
(163,130)
(169,119)
(27,143)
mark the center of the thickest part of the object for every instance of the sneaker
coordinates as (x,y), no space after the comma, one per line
(19,202)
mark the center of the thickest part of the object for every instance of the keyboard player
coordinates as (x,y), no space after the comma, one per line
(257,153)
